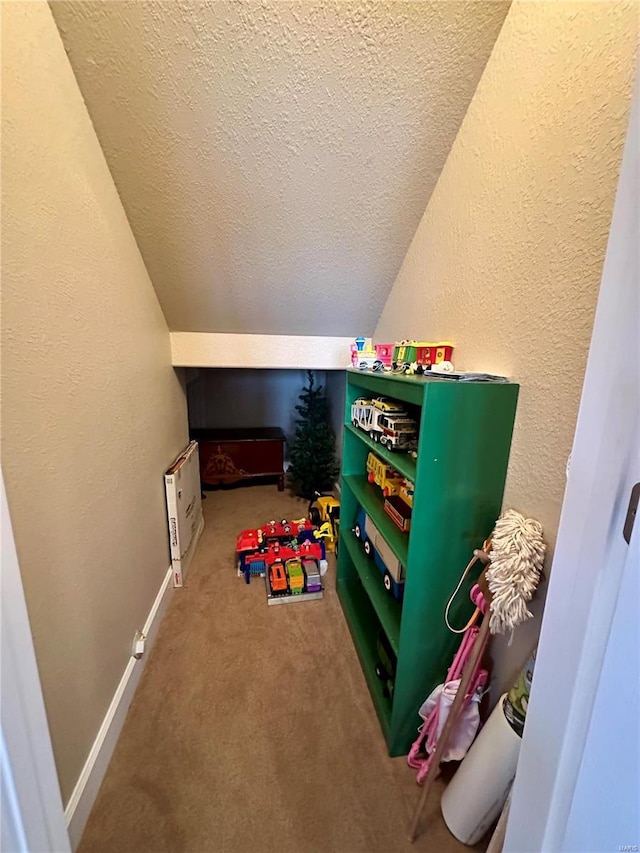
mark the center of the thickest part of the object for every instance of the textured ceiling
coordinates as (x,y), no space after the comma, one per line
(274,159)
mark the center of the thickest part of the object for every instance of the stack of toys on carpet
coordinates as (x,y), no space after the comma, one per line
(291,555)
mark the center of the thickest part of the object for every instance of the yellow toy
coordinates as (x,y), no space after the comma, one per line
(325,531)
(324,513)
(406,491)
(384,475)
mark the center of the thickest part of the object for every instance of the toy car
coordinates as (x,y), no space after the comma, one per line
(420,356)
(296,576)
(383,475)
(394,430)
(375,546)
(278,579)
(312,573)
(398,512)
(365,356)
(387,405)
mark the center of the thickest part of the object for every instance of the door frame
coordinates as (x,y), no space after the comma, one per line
(591,552)
(32,812)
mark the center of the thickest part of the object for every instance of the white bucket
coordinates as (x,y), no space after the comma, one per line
(475,796)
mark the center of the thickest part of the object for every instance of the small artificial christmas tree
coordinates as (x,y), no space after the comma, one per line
(314,466)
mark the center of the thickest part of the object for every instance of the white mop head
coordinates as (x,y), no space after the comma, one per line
(517,556)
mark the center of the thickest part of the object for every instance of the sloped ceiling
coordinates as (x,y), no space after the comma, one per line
(274,159)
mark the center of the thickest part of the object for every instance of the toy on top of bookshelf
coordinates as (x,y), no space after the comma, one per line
(420,356)
(408,356)
(367,356)
(386,422)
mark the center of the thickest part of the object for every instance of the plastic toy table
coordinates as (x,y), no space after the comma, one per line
(233,455)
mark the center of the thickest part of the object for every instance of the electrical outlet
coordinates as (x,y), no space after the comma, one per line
(138,645)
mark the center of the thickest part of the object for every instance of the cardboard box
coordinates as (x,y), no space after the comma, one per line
(184,510)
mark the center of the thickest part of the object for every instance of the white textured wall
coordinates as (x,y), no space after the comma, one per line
(273,158)
(507,259)
(212,349)
(92,411)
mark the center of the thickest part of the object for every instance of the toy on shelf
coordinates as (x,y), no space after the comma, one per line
(420,356)
(324,514)
(406,492)
(375,546)
(383,475)
(386,422)
(259,549)
(367,356)
(398,512)
(397,491)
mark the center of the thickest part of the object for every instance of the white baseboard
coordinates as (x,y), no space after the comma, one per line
(86,789)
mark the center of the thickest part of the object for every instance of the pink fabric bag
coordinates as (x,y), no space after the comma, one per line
(466,725)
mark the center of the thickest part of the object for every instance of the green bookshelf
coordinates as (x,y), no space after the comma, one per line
(459,475)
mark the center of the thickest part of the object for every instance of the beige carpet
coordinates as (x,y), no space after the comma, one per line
(252,728)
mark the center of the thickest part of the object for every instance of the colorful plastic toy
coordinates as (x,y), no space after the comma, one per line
(257,550)
(284,530)
(386,422)
(278,579)
(375,546)
(383,475)
(406,491)
(324,513)
(387,405)
(398,512)
(296,576)
(312,574)
(419,356)
(294,579)
(366,356)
